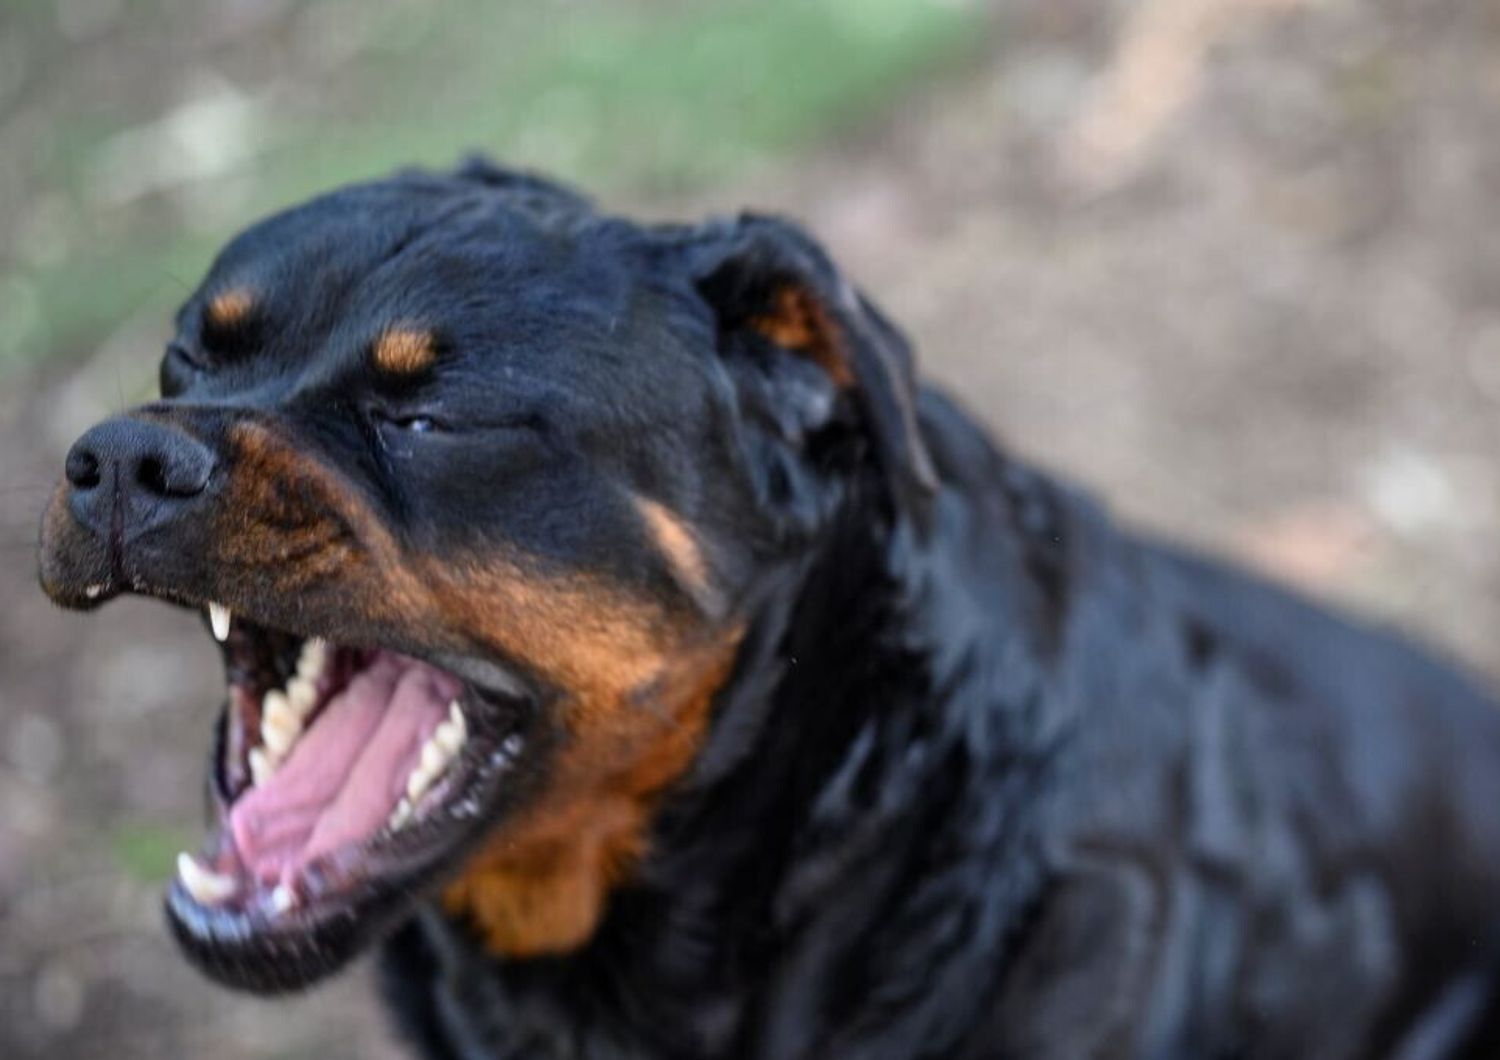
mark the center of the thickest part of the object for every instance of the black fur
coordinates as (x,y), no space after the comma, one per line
(1008,781)
(992,777)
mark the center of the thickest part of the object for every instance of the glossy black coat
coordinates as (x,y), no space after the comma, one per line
(992,776)
(1014,783)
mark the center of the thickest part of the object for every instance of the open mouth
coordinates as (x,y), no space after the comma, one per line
(346,780)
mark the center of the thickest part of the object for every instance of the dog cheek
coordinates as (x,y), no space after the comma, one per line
(541,883)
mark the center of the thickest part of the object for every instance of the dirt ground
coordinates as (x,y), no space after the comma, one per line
(1231,264)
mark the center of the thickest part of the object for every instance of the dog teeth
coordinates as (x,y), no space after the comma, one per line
(283,899)
(440,749)
(302,693)
(279,710)
(281,724)
(218,617)
(206,886)
(284,712)
(400,815)
(434,757)
(261,766)
(450,735)
(313,658)
(416,784)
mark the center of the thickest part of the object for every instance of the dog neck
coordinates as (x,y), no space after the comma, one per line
(847,750)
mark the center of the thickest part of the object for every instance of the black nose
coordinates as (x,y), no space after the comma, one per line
(141,472)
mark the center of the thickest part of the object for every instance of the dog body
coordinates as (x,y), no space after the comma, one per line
(1032,787)
(800,720)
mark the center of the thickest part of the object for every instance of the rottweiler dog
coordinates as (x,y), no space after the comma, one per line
(616,630)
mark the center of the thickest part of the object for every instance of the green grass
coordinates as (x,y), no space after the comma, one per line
(644,97)
(668,101)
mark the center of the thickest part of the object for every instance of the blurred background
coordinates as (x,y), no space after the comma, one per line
(1232,264)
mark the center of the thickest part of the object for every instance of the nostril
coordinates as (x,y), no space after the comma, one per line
(176,471)
(82,469)
(152,476)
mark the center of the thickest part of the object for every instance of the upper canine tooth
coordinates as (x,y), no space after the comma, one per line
(303,694)
(218,617)
(313,658)
(205,885)
(457,720)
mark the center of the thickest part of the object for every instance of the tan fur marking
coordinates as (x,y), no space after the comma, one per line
(680,548)
(405,351)
(541,884)
(229,309)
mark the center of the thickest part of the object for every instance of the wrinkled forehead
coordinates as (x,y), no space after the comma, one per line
(443,267)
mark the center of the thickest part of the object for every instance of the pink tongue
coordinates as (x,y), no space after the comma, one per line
(347,772)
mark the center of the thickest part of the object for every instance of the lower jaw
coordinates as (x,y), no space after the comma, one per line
(246,951)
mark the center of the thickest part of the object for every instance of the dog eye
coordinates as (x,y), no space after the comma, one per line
(415,424)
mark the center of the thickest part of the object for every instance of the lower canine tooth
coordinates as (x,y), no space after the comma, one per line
(206,886)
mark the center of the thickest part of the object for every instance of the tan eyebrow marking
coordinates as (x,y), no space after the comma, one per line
(680,547)
(404,350)
(230,308)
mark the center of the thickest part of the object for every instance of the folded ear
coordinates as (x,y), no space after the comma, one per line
(766,279)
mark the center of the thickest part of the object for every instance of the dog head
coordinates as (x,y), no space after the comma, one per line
(477,488)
